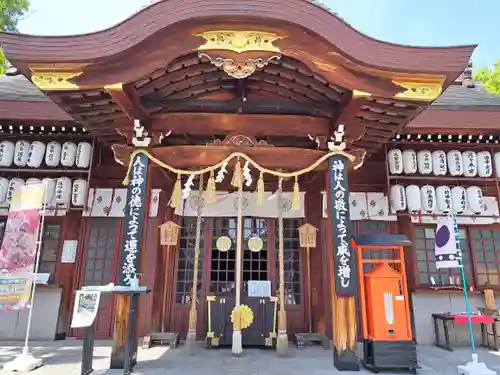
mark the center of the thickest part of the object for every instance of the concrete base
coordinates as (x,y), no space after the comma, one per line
(475,368)
(24,363)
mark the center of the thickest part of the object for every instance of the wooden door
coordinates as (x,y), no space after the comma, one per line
(99,267)
(183,282)
(294,265)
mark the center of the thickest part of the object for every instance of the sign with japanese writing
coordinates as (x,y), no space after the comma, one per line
(307,236)
(134,221)
(169,233)
(343,257)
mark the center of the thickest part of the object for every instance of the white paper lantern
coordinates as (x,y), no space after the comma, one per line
(53,155)
(6,153)
(455,163)
(484,164)
(68,154)
(83,154)
(63,190)
(33,181)
(496,160)
(475,199)
(398,198)
(395,159)
(428,198)
(469,159)
(35,154)
(79,192)
(439,163)
(14,184)
(21,153)
(4,188)
(424,158)
(458,199)
(409,161)
(443,198)
(50,188)
(413,200)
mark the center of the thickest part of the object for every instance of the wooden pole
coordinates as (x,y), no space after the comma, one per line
(308,277)
(165,286)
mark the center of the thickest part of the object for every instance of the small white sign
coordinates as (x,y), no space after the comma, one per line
(259,289)
(69,251)
(85,308)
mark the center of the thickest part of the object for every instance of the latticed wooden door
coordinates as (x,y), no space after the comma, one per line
(99,266)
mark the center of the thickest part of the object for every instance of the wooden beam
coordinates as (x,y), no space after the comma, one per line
(239,106)
(128,99)
(250,125)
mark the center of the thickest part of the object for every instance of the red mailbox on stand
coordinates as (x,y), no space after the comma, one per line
(385,307)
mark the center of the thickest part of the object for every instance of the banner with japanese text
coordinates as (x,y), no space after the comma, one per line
(19,247)
(344,259)
(133,223)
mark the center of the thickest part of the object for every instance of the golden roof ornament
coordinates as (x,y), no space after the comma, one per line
(239,41)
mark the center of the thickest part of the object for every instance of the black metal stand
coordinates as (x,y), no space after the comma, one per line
(390,355)
(88,350)
(124,354)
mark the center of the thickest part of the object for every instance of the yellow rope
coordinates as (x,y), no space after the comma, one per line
(229,158)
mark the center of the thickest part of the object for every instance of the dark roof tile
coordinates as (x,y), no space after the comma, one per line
(20,88)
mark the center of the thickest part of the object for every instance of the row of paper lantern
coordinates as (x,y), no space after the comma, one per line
(59,191)
(31,154)
(439,163)
(441,199)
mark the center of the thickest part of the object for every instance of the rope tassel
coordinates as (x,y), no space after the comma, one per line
(237,176)
(296,195)
(210,196)
(175,199)
(260,189)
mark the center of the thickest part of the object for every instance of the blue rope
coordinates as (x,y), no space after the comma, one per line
(464,284)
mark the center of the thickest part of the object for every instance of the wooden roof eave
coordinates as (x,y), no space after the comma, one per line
(99,46)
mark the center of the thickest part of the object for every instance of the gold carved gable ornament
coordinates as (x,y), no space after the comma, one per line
(239,53)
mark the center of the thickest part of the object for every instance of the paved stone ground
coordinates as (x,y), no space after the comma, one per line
(63,358)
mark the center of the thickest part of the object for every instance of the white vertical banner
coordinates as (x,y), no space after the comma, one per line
(446,250)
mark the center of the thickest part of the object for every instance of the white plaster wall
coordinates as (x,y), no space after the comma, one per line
(44,318)
(425,304)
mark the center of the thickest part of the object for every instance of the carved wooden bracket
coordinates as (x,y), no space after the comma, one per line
(239,140)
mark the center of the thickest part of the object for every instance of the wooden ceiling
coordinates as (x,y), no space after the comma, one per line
(285,93)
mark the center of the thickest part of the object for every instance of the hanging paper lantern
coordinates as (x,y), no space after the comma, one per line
(68,154)
(484,164)
(6,153)
(63,190)
(4,188)
(33,181)
(409,161)
(398,198)
(439,162)
(455,163)
(475,199)
(424,158)
(14,184)
(469,159)
(443,197)
(428,197)
(50,188)
(413,199)
(458,199)
(53,155)
(496,160)
(395,159)
(35,154)
(83,154)
(21,153)
(78,192)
